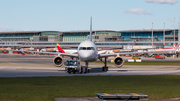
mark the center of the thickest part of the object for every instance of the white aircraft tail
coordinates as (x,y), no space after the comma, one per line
(90,29)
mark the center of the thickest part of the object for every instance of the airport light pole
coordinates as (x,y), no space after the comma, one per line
(174,32)
(152,34)
(164,35)
(134,35)
(179,34)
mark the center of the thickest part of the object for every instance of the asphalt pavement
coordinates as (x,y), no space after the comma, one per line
(42,66)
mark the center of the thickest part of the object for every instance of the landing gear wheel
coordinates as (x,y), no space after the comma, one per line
(104,68)
(81,71)
(74,71)
(88,71)
(69,71)
(85,71)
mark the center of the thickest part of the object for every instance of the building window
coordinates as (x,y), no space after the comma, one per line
(96,37)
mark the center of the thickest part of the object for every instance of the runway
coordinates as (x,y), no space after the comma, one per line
(21,71)
(42,66)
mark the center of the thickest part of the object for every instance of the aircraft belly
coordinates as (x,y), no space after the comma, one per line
(89,60)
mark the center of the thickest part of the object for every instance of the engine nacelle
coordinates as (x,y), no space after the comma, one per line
(118,61)
(58,61)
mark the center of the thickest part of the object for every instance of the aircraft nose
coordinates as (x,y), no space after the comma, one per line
(86,55)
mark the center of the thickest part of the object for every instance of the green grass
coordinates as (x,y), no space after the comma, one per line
(48,88)
(165,63)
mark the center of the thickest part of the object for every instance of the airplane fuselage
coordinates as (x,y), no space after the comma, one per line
(87,51)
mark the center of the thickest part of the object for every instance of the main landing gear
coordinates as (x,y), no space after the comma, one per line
(104,68)
(84,69)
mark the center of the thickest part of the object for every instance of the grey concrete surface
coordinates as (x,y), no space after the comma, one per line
(42,66)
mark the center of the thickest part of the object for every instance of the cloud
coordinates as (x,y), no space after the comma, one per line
(162,1)
(137,11)
(5,29)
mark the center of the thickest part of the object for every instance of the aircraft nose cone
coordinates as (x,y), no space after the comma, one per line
(85,55)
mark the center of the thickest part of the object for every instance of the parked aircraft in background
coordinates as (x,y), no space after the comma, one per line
(171,49)
(59,49)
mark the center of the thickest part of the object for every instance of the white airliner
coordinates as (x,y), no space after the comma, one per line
(87,52)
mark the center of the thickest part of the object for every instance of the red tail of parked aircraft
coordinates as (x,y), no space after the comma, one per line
(174,46)
(60,49)
(179,46)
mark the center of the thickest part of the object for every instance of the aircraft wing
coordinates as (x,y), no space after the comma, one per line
(56,53)
(124,53)
(107,55)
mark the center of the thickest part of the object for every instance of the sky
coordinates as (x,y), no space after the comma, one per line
(74,15)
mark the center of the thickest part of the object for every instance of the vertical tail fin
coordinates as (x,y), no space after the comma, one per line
(175,46)
(60,49)
(178,48)
(179,45)
(91,29)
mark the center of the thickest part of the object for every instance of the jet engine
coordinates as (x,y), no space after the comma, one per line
(58,61)
(118,61)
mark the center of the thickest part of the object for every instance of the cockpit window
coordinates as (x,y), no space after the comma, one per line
(86,48)
(82,48)
(92,48)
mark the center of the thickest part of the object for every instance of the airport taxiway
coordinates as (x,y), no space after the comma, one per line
(42,66)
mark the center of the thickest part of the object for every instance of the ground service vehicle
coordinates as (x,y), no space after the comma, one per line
(74,66)
(136,57)
(159,57)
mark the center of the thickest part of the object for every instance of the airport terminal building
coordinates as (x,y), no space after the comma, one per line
(102,38)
